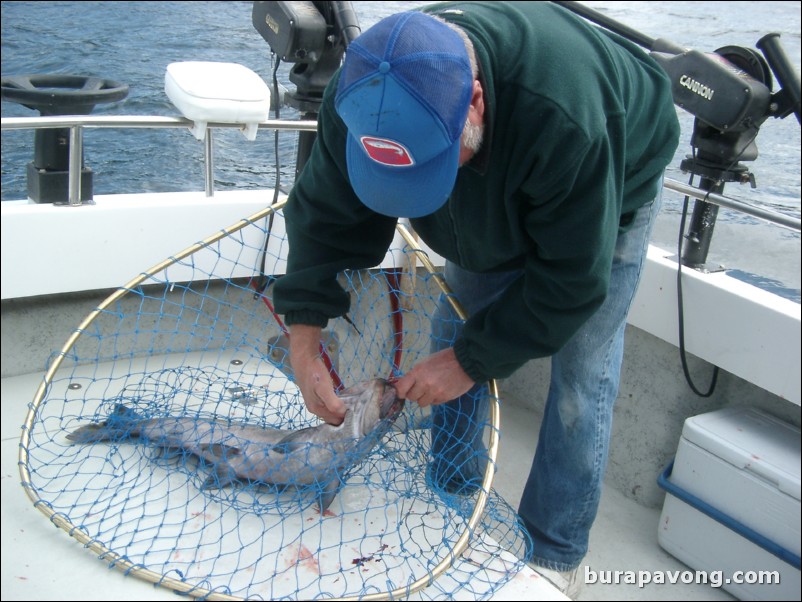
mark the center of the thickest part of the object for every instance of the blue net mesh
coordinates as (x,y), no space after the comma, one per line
(186,373)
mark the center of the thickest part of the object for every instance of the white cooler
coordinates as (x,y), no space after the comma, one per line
(733,502)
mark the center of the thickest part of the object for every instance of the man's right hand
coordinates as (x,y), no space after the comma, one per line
(311,374)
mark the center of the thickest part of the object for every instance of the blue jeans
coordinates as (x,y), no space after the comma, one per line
(561,496)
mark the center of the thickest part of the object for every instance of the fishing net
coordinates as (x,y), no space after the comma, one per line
(192,345)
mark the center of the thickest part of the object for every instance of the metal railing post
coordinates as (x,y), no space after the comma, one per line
(75,165)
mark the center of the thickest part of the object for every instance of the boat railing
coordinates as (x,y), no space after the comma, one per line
(77,124)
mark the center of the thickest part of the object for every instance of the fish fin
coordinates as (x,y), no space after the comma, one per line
(218,452)
(291,442)
(328,493)
(121,423)
(222,475)
(88,433)
(288,447)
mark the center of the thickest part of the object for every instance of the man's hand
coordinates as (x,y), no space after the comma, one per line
(312,376)
(437,379)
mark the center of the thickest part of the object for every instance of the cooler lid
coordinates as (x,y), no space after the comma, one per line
(207,91)
(752,440)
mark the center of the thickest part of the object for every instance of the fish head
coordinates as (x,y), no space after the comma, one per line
(371,402)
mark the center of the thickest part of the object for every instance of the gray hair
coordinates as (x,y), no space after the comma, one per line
(472,135)
(465,40)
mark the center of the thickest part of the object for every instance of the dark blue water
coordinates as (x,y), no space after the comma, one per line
(133,42)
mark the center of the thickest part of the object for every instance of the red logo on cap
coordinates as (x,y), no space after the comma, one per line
(386,152)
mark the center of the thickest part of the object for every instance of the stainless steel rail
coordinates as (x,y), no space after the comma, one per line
(139,121)
(78,123)
(774,217)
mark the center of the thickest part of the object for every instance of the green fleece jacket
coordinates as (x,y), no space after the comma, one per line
(579,127)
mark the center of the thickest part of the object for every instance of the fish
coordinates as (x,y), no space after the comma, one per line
(316,457)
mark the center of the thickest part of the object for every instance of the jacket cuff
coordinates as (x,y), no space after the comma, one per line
(471,366)
(306,316)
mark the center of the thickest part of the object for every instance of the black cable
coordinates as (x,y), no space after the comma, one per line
(264,279)
(680,311)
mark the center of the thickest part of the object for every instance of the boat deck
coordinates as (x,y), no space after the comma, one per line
(623,538)
(40,562)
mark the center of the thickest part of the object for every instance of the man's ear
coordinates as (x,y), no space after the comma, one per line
(476,111)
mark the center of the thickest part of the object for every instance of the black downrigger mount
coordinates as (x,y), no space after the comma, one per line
(729,92)
(313,36)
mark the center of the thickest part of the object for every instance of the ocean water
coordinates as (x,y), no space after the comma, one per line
(133,42)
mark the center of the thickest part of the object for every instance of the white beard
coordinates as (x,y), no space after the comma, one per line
(472,136)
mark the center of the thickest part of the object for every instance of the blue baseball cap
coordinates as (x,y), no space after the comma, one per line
(404,92)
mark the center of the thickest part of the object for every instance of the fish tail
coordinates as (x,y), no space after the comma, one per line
(123,422)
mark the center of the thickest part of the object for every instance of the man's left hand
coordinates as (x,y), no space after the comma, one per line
(437,379)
